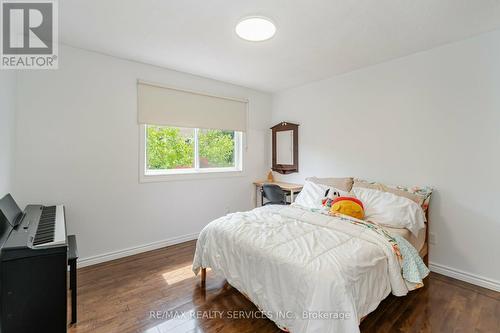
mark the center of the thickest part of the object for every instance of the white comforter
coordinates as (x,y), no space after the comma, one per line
(308,272)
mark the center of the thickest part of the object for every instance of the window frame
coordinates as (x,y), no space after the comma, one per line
(146,175)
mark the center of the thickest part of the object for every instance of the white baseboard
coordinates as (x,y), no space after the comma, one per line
(465,276)
(134,250)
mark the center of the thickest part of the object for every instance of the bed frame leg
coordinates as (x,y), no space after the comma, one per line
(203,277)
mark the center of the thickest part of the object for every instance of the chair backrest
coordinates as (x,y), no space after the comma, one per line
(274,194)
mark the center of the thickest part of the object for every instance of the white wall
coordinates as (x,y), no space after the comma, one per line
(432,118)
(78,144)
(7,127)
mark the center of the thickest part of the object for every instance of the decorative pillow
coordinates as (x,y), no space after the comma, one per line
(332,194)
(391,210)
(343,184)
(348,206)
(418,194)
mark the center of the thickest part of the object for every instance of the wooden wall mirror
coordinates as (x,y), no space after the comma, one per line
(285,147)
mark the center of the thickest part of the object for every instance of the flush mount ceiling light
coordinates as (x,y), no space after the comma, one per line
(255,28)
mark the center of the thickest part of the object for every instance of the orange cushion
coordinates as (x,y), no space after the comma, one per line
(348,206)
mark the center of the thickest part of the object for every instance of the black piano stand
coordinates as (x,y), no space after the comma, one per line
(72,256)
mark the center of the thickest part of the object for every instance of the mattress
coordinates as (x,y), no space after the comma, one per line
(417,242)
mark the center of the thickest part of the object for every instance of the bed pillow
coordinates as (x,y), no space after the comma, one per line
(343,184)
(419,194)
(314,195)
(391,210)
(311,195)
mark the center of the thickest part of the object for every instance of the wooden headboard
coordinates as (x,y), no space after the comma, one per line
(424,252)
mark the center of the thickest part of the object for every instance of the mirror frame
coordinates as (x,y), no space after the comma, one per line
(286,168)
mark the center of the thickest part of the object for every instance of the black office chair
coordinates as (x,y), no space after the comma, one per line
(274,194)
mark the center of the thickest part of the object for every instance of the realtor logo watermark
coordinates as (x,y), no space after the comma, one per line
(29,34)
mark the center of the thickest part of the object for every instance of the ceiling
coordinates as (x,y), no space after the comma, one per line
(315,39)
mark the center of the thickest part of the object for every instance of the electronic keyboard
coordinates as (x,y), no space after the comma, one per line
(33,268)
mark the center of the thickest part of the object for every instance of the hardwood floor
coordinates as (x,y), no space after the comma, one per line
(134,294)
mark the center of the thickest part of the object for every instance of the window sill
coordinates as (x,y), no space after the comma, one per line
(153,177)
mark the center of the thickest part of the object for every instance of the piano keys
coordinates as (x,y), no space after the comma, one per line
(50,230)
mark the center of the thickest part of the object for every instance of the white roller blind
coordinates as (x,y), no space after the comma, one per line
(158,105)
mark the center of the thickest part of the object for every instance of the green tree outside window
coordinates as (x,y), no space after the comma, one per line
(216,148)
(168,148)
(174,148)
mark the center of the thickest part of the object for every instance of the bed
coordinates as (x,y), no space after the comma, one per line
(307,271)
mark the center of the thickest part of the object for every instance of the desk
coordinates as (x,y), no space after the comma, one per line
(287,187)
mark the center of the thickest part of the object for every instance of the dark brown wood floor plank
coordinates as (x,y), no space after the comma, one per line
(118,296)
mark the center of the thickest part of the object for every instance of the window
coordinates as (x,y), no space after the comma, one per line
(176,150)
(186,134)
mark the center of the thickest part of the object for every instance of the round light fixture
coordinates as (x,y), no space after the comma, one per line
(255,29)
